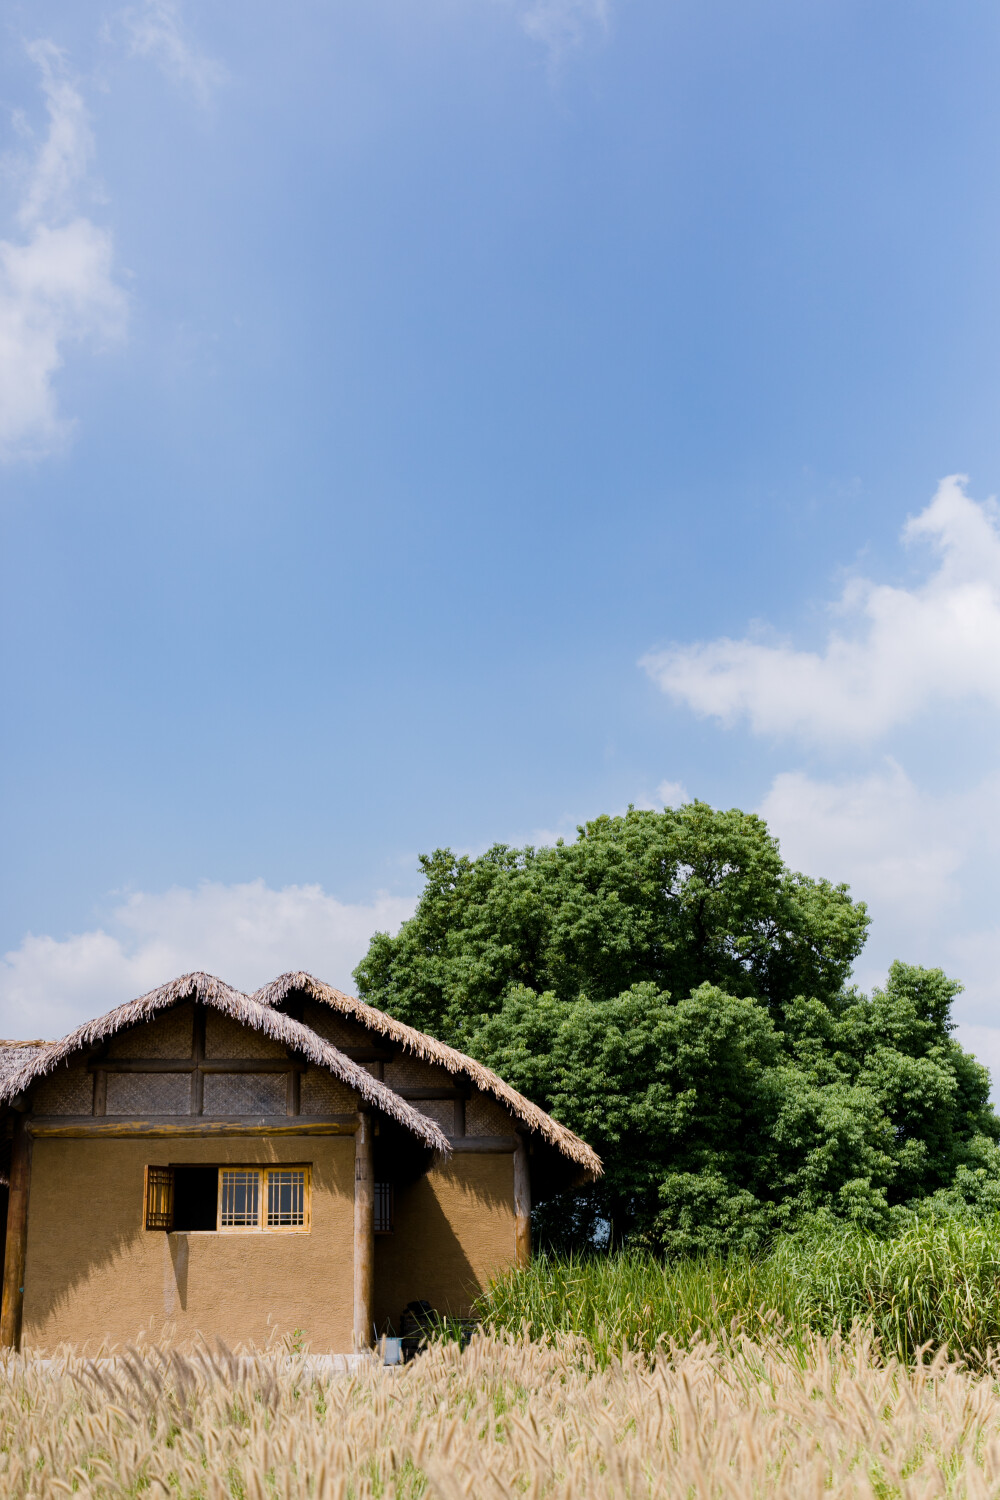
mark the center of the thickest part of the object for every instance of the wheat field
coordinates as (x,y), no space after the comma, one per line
(504,1417)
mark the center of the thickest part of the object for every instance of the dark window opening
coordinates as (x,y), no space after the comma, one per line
(384,1208)
(196,1197)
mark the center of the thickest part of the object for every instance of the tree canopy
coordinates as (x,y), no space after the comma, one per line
(669,989)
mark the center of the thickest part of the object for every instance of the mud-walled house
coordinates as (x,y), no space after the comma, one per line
(203,1161)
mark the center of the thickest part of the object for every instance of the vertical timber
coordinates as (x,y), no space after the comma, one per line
(364,1234)
(198,1056)
(17,1236)
(522,1205)
(292,1095)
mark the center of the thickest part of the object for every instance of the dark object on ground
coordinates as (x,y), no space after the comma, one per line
(418,1323)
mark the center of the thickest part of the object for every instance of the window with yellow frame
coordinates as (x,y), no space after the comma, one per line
(246,1200)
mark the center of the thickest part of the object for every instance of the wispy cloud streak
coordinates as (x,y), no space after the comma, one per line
(57,285)
(156,31)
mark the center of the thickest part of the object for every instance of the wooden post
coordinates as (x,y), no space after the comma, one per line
(198,1056)
(364,1234)
(522,1205)
(17,1236)
(292,1094)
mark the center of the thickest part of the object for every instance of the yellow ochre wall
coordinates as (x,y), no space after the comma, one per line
(93,1272)
(453,1229)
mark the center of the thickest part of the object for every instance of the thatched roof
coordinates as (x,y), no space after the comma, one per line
(14,1055)
(455,1062)
(207,990)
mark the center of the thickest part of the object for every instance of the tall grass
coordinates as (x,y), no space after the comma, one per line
(504,1419)
(934,1283)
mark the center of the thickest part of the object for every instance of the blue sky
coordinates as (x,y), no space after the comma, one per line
(437,424)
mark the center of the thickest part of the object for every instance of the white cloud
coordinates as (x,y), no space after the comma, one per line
(671,794)
(156,32)
(903,651)
(897,848)
(246,934)
(56,281)
(562,24)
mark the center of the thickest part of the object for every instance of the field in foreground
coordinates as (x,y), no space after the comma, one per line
(505,1418)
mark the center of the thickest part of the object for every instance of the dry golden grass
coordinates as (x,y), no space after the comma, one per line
(503,1418)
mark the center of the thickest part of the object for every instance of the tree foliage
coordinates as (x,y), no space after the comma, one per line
(670,990)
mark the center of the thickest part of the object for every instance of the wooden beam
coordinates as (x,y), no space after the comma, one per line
(100,1092)
(364,1234)
(207,1065)
(437,1091)
(85,1127)
(15,1252)
(495,1145)
(522,1205)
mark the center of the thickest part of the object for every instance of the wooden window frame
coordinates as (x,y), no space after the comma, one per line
(158,1198)
(263,1174)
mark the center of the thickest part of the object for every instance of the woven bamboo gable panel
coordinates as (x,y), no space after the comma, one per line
(486,1116)
(67,1091)
(139,1094)
(167,1035)
(441,1111)
(339,1030)
(321,1094)
(225,1037)
(244,1094)
(407,1072)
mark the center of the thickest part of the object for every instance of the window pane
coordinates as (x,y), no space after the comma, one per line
(286,1198)
(239,1199)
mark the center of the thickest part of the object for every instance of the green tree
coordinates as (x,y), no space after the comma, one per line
(668,988)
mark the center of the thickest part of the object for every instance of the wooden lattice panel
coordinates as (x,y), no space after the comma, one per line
(141,1094)
(486,1116)
(412,1072)
(166,1035)
(322,1094)
(67,1091)
(244,1094)
(225,1037)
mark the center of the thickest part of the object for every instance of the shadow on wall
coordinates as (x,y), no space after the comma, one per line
(178,1251)
(453,1230)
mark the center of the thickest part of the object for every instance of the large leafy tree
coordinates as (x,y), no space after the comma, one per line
(667,987)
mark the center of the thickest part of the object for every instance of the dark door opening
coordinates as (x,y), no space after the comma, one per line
(196,1197)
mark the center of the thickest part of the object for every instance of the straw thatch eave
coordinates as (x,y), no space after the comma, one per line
(426,1047)
(14,1055)
(205,989)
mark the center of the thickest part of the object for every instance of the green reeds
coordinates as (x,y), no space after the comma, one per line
(933,1284)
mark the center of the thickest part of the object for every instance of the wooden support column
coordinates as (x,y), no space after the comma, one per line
(17,1236)
(522,1205)
(364,1234)
(198,1057)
